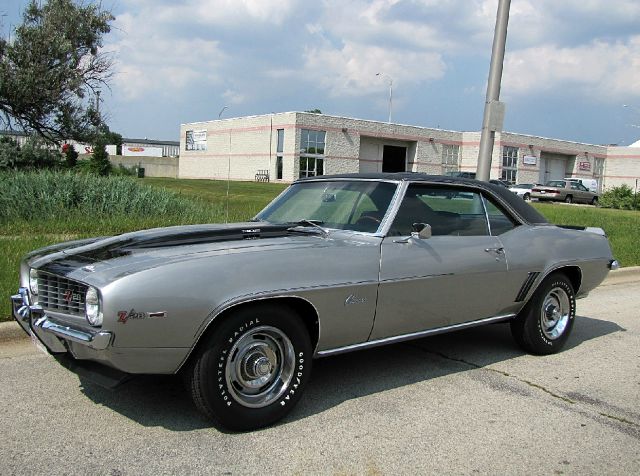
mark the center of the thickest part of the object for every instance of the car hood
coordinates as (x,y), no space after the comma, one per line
(102,260)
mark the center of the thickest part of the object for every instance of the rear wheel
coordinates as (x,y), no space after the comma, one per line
(527,196)
(252,369)
(568,199)
(544,325)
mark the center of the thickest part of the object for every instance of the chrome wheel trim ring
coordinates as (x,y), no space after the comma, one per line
(555,313)
(260,367)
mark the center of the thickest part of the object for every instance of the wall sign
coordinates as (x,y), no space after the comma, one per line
(584,165)
(529,160)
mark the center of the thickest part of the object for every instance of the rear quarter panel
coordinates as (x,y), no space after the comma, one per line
(546,248)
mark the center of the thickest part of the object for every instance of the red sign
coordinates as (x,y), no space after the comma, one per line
(586,165)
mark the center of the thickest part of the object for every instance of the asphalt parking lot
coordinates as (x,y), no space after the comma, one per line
(464,403)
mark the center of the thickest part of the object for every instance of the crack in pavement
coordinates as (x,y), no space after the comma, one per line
(522,380)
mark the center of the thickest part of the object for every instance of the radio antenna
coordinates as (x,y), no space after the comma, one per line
(228,177)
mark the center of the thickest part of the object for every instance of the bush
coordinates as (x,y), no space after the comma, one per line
(123,170)
(70,155)
(100,164)
(622,198)
(45,194)
(9,153)
(34,154)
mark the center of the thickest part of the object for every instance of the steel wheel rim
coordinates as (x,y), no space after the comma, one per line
(260,367)
(555,312)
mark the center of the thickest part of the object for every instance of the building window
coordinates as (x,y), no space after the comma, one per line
(311,167)
(279,153)
(312,145)
(195,140)
(450,158)
(509,164)
(280,141)
(598,167)
(312,142)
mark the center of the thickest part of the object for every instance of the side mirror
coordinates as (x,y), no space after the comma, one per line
(421,231)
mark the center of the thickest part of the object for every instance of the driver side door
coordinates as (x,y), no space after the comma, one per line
(454,276)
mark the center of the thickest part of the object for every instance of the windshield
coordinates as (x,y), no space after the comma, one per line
(345,205)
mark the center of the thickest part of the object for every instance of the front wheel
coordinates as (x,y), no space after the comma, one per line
(594,201)
(568,199)
(544,324)
(253,367)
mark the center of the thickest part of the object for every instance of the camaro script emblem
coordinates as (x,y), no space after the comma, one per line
(124,316)
(353,299)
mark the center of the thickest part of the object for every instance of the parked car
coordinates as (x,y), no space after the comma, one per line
(523,190)
(564,191)
(502,183)
(334,264)
(590,184)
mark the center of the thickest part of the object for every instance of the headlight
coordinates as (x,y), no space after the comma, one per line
(33,281)
(92,307)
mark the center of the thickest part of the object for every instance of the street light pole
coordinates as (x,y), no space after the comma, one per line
(390,79)
(222,110)
(493,108)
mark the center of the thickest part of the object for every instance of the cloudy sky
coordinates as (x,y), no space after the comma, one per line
(570,65)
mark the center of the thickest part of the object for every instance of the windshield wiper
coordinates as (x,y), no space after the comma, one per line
(315,224)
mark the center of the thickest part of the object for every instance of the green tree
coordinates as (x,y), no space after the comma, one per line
(53,67)
(99,160)
(70,155)
(314,111)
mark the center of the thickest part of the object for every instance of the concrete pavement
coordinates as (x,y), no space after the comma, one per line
(464,403)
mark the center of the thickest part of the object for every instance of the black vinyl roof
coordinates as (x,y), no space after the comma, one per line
(517,204)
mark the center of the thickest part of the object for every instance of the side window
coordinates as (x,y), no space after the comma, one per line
(499,221)
(450,211)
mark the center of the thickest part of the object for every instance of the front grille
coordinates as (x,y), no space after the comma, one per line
(59,294)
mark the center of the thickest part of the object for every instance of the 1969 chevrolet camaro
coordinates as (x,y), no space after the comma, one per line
(333,264)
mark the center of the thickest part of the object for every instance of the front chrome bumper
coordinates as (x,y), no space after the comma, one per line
(35,322)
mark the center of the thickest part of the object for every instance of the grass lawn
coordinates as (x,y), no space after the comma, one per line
(245,200)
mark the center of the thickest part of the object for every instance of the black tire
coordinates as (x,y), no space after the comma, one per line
(594,201)
(527,197)
(568,199)
(252,368)
(544,324)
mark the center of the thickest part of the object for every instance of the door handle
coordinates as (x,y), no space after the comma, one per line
(499,250)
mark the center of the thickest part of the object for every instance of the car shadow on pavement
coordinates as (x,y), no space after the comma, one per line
(163,401)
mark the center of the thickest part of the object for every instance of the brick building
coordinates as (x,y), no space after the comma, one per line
(290,145)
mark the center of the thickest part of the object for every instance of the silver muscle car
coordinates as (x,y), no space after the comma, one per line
(333,264)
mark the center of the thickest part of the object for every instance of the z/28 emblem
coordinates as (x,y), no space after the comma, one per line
(124,316)
(69,296)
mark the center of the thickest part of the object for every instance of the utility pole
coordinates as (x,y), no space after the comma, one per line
(493,109)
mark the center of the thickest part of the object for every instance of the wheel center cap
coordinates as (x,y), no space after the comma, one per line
(261,367)
(551,311)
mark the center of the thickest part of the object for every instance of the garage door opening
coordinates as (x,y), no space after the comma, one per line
(394,159)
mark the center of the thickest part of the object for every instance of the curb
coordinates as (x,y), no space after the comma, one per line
(11,331)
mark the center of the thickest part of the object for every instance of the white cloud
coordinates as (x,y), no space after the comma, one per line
(351,70)
(233,97)
(600,68)
(148,61)
(216,12)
